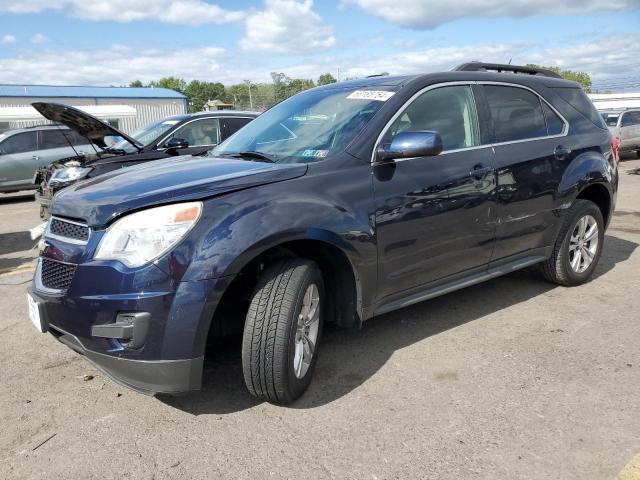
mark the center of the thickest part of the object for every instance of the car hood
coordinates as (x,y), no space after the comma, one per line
(86,125)
(99,200)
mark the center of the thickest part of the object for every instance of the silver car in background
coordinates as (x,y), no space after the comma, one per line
(624,125)
(23,151)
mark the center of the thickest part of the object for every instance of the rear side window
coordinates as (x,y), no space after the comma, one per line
(630,118)
(19,143)
(234,124)
(52,139)
(579,100)
(516,113)
(555,125)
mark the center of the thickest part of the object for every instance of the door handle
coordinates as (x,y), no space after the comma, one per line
(479,172)
(561,152)
(35,157)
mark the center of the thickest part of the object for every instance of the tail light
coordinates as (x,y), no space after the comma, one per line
(615,153)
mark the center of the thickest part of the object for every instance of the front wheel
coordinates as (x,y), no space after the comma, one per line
(578,246)
(282,331)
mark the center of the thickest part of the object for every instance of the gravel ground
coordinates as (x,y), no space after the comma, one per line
(514,378)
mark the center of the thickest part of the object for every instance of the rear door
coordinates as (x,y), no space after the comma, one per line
(435,215)
(531,157)
(18,160)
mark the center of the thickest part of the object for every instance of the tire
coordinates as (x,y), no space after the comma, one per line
(561,268)
(272,339)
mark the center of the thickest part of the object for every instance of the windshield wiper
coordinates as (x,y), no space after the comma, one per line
(263,157)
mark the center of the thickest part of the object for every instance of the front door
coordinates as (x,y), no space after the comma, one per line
(435,215)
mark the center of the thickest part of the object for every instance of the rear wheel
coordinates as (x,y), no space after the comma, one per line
(283,330)
(578,246)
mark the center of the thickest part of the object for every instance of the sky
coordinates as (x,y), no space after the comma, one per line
(101,42)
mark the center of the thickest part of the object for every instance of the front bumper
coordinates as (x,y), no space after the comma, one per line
(168,356)
(145,376)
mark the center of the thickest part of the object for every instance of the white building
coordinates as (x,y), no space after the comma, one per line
(615,101)
(126,108)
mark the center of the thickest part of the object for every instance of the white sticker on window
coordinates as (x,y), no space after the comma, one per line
(315,153)
(170,122)
(379,95)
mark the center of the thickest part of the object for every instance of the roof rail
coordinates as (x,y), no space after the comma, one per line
(499,67)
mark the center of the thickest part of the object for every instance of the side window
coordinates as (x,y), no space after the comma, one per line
(19,143)
(579,101)
(555,125)
(52,139)
(450,111)
(516,113)
(75,138)
(234,124)
(199,132)
(630,118)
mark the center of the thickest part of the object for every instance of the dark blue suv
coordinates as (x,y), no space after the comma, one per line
(343,202)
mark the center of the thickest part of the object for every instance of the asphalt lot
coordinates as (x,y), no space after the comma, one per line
(514,378)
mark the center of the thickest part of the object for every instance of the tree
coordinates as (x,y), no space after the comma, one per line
(172,83)
(582,78)
(136,83)
(199,93)
(326,79)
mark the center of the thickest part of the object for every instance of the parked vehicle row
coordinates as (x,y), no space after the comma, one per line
(625,127)
(111,149)
(341,203)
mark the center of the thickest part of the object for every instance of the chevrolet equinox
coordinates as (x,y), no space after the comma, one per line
(341,203)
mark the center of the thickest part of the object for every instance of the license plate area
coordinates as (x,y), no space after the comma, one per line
(35,314)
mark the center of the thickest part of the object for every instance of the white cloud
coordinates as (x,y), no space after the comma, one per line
(184,12)
(7,39)
(606,60)
(113,67)
(39,38)
(429,14)
(286,26)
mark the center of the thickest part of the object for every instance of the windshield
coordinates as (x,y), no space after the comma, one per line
(611,120)
(310,126)
(145,135)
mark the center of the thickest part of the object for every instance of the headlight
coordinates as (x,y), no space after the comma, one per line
(141,237)
(68,174)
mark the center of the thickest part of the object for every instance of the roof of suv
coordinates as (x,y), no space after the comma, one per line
(452,76)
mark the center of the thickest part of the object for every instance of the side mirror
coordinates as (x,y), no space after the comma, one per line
(411,144)
(177,144)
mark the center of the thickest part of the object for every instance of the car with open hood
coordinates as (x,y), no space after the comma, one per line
(341,203)
(111,149)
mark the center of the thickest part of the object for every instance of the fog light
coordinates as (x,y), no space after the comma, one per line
(130,329)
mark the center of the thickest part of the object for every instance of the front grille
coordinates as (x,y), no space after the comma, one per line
(70,230)
(56,275)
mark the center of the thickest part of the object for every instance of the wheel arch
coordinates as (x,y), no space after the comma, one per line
(600,195)
(334,257)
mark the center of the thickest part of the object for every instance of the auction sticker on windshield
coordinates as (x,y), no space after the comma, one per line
(379,95)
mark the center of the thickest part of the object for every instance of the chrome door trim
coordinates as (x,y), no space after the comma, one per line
(564,132)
